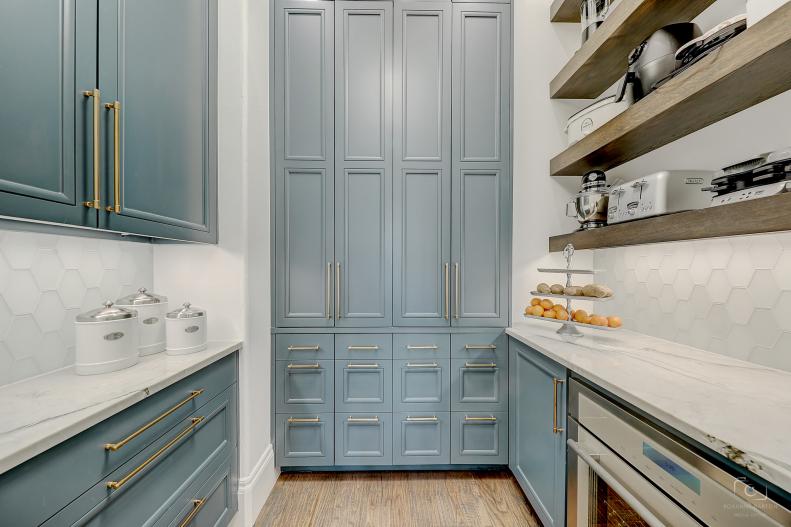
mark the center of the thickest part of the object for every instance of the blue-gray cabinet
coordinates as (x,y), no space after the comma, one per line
(363,439)
(537,441)
(421,438)
(479,438)
(305,439)
(304,386)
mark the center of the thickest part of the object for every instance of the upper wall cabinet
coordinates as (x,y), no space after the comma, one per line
(47,61)
(157,73)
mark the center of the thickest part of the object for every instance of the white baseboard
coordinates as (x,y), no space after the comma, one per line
(254,489)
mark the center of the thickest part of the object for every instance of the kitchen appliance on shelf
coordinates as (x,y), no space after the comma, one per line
(590,204)
(106,340)
(592,15)
(624,470)
(763,176)
(655,58)
(186,330)
(593,117)
(660,193)
(151,309)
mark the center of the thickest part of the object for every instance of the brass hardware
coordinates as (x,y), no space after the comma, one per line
(432,419)
(480,347)
(116,108)
(112,447)
(351,419)
(362,366)
(337,290)
(329,289)
(197,505)
(458,287)
(446,280)
(115,485)
(477,365)
(555,383)
(427,365)
(315,366)
(304,420)
(304,348)
(490,419)
(431,347)
(96,203)
(362,348)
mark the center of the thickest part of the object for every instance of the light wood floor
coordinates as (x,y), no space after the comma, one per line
(403,499)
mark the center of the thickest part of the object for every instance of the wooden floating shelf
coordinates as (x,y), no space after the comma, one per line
(565,11)
(602,60)
(753,67)
(771,214)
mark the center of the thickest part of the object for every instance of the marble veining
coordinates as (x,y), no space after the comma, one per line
(739,409)
(38,413)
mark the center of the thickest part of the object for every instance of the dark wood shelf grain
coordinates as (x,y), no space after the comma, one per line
(749,69)
(602,60)
(772,214)
(564,11)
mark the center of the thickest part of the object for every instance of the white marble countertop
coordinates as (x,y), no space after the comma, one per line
(738,409)
(38,413)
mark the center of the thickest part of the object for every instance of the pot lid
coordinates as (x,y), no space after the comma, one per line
(187,311)
(107,313)
(141,298)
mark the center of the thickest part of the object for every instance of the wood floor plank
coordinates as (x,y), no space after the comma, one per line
(397,499)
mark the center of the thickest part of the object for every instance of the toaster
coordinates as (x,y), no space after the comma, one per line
(660,193)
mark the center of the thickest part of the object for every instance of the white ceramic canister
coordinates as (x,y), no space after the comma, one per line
(186,330)
(106,340)
(151,310)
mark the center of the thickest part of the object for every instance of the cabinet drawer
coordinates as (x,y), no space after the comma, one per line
(212,505)
(421,385)
(304,347)
(479,384)
(364,346)
(37,489)
(486,345)
(142,490)
(421,438)
(305,440)
(363,385)
(363,439)
(304,386)
(479,438)
(421,346)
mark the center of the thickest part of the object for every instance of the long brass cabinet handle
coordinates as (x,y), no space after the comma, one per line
(422,365)
(112,447)
(456,302)
(479,365)
(304,419)
(304,348)
(555,384)
(432,419)
(315,366)
(362,348)
(197,505)
(337,290)
(115,485)
(329,291)
(430,347)
(116,109)
(446,280)
(362,366)
(374,419)
(480,347)
(487,419)
(96,202)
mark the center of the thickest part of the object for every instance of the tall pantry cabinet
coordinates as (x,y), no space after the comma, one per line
(392,192)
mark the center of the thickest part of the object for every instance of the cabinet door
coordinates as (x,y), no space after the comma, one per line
(421,438)
(481,158)
(159,61)
(304,386)
(363,439)
(304,179)
(537,451)
(479,438)
(363,170)
(421,139)
(47,60)
(305,439)
(363,386)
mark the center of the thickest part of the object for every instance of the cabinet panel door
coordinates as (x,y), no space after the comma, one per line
(363,386)
(363,169)
(159,60)
(421,385)
(421,438)
(479,385)
(537,453)
(47,60)
(480,438)
(305,439)
(363,439)
(421,135)
(304,386)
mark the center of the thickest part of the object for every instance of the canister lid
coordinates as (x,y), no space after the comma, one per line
(141,298)
(107,313)
(187,311)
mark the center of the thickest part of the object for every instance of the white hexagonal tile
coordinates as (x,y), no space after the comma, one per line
(763,289)
(655,255)
(53,352)
(684,316)
(110,253)
(5,318)
(682,254)
(719,253)
(654,284)
(5,273)
(778,356)
(667,300)
(71,289)
(111,285)
(22,293)
(49,312)
(642,270)
(24,369)
(683,285)
(641,295)
(699,335)
(782,311)
(668,270)
(784,239)
(719,288)
(740,306)
(24,338)
(47,241)
(619,262)
(69,251)
(91,269)
(764,328)
(739,343)
(6,365)
(93,299)
(716,345)
(630,282)
(20,249)
(782,270)
(719,320)
(700,302)
(765,251)
(740,270)
(128,270)
(700,269)
(47,270)
(67,327)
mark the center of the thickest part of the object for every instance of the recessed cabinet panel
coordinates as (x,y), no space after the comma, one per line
(305,439)
(363,439)
(304,386)
(421,385)
(480,384)
(363,386)
(421,438)
(480,437)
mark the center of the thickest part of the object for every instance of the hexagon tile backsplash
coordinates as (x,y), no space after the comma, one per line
(45,281)
(727,295)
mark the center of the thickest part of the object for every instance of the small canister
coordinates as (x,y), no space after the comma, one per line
(186,330)
(151,310)
(106,340)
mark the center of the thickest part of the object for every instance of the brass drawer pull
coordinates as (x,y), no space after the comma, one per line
(304,348)
(304,419)
(476,365)
(456,301)
(415,348)
(351,419)
(432,419)
(337,290)
(362,348)
(315,366)
(197,505)
(116,109)
(363,366)
(422,365)
(96,202)
(489,419)
(480,347)
(446,280)
(555,384)
(329,290)
(112,447)
(115,485)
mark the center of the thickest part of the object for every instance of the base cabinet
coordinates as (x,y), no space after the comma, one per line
(537,408)
(363,439)
(421,438)
(479,438)
(305,440)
